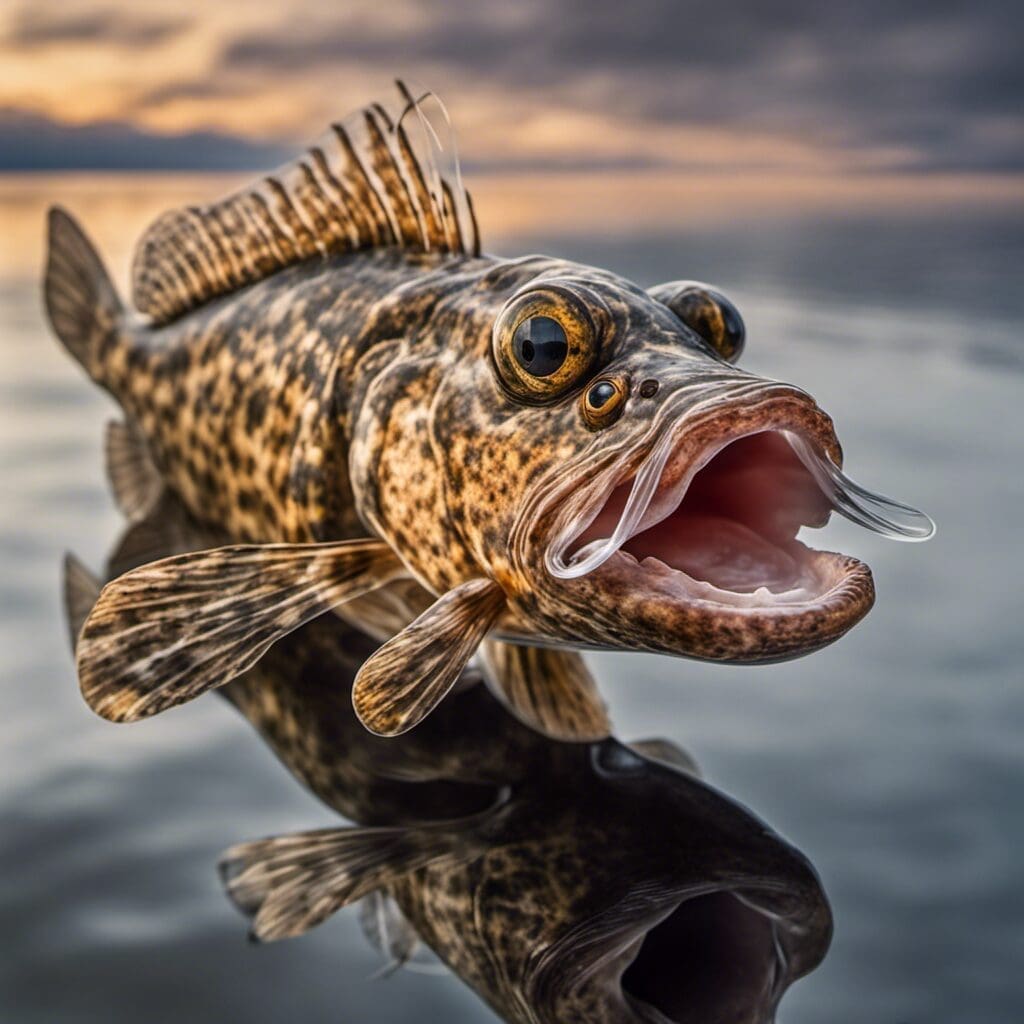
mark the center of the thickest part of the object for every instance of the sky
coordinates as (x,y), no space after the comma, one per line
(918,102)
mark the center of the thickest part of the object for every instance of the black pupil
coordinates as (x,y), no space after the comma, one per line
(540,345)
(600,394)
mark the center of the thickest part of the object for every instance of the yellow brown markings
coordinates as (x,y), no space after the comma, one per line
(549,690)
(368,195)
(162,634)
(409,676)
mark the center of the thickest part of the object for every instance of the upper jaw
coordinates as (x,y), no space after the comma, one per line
(756,493)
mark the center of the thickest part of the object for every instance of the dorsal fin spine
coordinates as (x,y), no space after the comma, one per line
(382,233)
(471,209)
(455,243)
(348,213)
(369,183)
(410,230)
(317,210)
(238,262)
(433,230)
(201,250)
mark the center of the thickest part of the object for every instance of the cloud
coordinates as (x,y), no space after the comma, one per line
(32,27)
(918,87)
(31,142)
(938,81)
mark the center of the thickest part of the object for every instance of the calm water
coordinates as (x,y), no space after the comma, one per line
(893,759)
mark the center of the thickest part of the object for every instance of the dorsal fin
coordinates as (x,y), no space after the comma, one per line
(374,180)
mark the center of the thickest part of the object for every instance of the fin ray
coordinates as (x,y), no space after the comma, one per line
(168,631)
(407,678)
(134,478)
(81,302)
(361,185)
(388,930)
(289,884)
(550,690)
(81,591)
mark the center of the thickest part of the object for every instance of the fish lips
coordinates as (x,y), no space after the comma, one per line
(729,498)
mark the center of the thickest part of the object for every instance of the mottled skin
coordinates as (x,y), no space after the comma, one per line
(309,373)
(543,909)
(357,395)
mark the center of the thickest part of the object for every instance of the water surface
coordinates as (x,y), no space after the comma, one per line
(893,759)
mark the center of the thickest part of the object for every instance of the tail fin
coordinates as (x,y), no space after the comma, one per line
(81,302)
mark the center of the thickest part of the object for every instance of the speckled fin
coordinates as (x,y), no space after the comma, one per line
(380,178)
(289,884)
(81,589)
(400,684)
(134,479)
(166,632)
(549,690)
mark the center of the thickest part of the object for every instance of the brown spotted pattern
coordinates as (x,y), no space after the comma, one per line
(194,621)
(320,366)
(366,184)
(412,673)
(523,899)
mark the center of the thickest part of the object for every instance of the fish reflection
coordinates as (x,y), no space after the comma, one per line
(563,882)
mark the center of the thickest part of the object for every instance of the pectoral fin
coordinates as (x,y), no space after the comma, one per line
(404,681)
(549,690)
(168,631)
(290,884)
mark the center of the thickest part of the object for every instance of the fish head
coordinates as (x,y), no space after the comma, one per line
(627,484)
(684,907)
(594,448)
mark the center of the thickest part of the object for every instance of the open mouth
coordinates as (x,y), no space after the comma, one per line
(693,550)
(726,534)
(713,960)
(721,529)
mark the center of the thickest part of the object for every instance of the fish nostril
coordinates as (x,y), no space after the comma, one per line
(649,388)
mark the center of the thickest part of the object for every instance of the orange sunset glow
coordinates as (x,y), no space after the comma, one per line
(566,117)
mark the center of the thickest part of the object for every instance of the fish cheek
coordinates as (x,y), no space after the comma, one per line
(397,477)
(495,448)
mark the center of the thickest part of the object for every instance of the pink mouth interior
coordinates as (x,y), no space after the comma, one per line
(736,525)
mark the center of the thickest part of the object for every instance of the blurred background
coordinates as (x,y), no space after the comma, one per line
(852,176)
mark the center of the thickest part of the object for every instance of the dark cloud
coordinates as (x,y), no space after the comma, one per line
(34,27)
(940,84)
(30,142)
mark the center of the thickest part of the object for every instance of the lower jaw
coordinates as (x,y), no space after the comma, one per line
(623,607)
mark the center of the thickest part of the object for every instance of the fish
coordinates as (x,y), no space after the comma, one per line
(561,881)
(522,457)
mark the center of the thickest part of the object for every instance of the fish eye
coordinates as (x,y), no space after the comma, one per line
(708,312)
(540,345)
(603,401)
(544,343)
